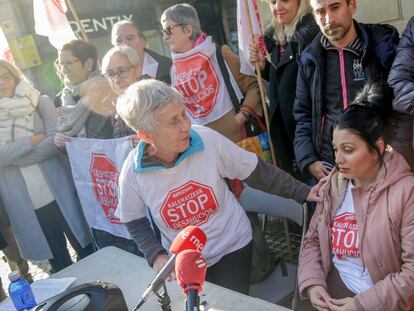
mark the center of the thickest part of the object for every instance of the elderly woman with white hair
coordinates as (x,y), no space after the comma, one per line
(121,67)
(178,171)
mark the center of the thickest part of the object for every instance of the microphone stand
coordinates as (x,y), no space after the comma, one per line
(164,299)
(193,301)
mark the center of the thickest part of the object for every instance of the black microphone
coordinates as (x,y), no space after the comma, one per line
(190,269)
(191,237)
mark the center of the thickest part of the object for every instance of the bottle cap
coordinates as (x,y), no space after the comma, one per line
(13,276)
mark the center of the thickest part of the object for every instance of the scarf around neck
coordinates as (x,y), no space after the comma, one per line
(16,113)
(75,108)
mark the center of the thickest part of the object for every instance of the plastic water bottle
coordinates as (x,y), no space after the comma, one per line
(20,292)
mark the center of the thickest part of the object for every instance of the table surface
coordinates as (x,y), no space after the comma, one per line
(132,274)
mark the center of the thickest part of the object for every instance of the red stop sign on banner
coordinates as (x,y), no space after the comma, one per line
(191,204)
(104,175)
(196,79)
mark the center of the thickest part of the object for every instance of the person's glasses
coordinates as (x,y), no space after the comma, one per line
(121,72)
(169,29)
(69,63)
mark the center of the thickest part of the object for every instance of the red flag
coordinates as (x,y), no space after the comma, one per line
(247,9)
(51,21)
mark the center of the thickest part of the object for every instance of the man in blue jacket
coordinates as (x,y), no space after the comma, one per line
(402,80)
(332,69)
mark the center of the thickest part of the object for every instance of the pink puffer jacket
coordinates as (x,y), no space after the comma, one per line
(384,211)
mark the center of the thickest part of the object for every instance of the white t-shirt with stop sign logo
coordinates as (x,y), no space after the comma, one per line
(197,76)
(345,247)
(193,192)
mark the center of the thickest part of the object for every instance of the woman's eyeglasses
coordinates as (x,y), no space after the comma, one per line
(121,72)
(68,63)
(169,29)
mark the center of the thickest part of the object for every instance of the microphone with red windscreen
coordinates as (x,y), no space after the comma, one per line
(190,270)
(191,237)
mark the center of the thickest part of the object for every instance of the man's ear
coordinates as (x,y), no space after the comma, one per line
(353,6)
(89,64)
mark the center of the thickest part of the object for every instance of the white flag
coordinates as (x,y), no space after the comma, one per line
(96,164)
(51,21)
(5,52)
(248,9)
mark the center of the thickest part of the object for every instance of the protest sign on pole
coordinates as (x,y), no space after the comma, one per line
(248,27)
(51,21)
(5,51)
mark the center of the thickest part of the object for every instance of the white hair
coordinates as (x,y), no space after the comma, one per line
(138,106)
(125,50)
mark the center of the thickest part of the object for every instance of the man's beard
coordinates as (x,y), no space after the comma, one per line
(335,32)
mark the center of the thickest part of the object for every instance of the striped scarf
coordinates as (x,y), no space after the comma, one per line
(16,113)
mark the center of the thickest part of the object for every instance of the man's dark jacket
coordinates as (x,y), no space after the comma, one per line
(401,78)
(379,46)
(164,65)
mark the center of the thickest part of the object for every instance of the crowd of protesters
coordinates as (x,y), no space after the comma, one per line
(341,105)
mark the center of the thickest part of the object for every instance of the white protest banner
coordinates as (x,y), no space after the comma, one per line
(5,52)
(96,165)
(51,21)
(248,26)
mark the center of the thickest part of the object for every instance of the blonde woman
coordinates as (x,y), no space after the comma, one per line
(35,183)
(292,28)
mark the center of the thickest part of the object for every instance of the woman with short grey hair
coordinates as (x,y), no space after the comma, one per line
(121,68)
(207,76)
(138,108)
(178,171)
(184,15)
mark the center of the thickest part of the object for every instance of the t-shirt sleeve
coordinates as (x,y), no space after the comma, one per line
(233,161)
(131,204)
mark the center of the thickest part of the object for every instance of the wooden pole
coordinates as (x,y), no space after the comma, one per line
(77,19)
(266,115)
(261,88)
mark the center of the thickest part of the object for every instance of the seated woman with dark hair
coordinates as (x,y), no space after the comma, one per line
(358,253)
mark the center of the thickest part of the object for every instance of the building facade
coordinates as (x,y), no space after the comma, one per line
(218,18)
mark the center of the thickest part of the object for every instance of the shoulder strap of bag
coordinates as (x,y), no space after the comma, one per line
(226,78)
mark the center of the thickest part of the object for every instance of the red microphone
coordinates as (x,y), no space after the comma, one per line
(190,238)
(190,269)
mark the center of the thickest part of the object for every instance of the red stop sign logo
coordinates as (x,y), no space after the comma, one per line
(104,175)
(196,79)
(191,204)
